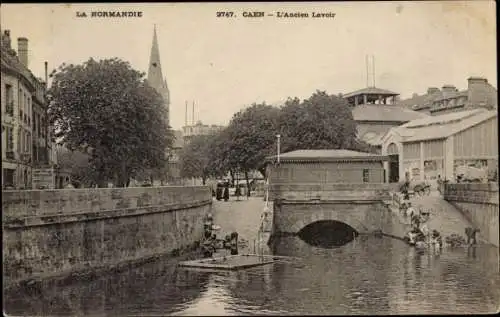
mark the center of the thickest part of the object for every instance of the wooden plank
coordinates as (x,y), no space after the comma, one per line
(232,262)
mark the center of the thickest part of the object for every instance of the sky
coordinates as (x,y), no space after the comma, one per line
(225,64)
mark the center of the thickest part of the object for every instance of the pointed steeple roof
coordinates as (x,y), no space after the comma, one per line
(155,77)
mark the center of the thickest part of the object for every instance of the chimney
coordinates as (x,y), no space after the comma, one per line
(449,88)
(22,50)
(6,39)
(476,80)
(46,75)
(432,90)
(480,93)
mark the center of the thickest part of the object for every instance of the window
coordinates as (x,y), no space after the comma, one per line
(9,135)
(9,100)
(39,125)
(8,177)
(26,143)
(10,138)
(366,175)
(30,109)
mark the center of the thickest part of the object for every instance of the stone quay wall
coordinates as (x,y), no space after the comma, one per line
(53,233)
(331,191)
(479,204)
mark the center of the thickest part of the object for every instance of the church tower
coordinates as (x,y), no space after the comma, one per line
(155,76)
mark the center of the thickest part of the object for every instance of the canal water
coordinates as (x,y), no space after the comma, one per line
(371,275)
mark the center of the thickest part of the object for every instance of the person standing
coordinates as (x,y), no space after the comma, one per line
(218,191)
(226,191)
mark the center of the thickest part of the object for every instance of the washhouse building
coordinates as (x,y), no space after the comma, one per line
(425,149)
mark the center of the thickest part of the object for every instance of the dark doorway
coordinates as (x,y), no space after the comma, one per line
(327,234)
(393,168)
(393,153)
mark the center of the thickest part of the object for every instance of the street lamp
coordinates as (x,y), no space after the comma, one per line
(278,136)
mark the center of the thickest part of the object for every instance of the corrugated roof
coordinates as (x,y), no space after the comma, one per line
(370,90)
(376,140)
(377,112)
(324,153)
(443,126)
(327,155)
(420,100)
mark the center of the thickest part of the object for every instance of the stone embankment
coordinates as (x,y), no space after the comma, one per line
(59,233)
(444,217)
(479,203)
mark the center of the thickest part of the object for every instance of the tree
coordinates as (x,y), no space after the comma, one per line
(251,136)
(107,109)
(320,122)
(195,158)
(78,163)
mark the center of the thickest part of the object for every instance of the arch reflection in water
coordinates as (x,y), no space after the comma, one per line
(327,234)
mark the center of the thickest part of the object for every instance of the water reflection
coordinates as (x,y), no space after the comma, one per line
(367,276)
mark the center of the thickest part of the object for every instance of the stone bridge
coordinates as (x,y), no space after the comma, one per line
(359,206)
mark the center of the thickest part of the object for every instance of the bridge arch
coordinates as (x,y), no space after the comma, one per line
(327,233)
(332,215)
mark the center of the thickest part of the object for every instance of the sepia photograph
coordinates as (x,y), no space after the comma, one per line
(266,158)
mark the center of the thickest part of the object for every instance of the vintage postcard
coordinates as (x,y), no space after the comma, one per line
(280,158)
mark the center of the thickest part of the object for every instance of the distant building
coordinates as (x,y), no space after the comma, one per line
(424,149)
(375,113)
(189,131)
(26,139)
(479,94)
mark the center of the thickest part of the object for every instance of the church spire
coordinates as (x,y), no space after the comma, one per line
(155,76)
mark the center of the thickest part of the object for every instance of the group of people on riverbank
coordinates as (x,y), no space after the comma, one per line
(419,234)
(210,243)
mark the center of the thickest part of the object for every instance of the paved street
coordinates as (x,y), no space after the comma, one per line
(242,216)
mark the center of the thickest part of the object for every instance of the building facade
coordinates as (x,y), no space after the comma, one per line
(425,149)
(479,94)
(327,167)
(26,140)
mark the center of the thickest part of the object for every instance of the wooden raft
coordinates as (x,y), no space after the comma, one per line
(229,262)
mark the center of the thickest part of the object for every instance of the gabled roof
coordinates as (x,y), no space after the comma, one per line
(443,126)
(12,63)
(327,155)
(370,91)
(377,112)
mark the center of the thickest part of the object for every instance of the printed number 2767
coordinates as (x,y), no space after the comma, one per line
(228,14)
